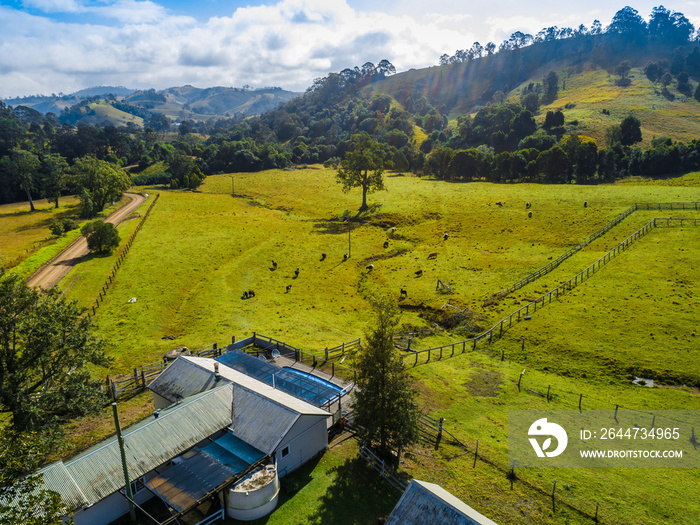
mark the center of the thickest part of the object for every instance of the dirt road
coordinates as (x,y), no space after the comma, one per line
(57,269)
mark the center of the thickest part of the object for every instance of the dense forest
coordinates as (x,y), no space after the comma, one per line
(483,123)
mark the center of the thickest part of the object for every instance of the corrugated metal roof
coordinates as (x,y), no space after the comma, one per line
(183,378)
(189,375)
(56,477)
(259,422)
(98,471)
(185,483)
(424,503)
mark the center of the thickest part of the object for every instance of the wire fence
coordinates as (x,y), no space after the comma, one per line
(524,312)
(602,231)
(121,255)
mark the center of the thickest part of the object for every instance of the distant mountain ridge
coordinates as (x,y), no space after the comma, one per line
(91,105)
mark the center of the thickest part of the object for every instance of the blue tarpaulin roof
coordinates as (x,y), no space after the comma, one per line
(233,452)
(312,390)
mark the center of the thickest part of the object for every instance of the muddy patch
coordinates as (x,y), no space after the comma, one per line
(484,382)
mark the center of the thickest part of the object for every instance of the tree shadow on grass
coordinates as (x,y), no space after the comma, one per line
(358,495)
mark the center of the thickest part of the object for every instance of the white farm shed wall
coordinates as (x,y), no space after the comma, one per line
(108,509)
(307,437)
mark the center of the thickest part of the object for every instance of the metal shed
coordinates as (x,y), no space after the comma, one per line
(424,503)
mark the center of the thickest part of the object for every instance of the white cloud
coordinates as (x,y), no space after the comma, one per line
(55,6)
(285,44)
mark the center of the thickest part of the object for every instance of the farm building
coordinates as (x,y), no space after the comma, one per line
(227,444)
(424,503)
(278,423)
(190,375)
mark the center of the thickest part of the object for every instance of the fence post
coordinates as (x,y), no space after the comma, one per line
(113,390)
(143,378)
(136,378)
(439,436)
(327,352)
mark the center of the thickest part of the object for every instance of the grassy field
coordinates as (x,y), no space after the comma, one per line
(115,116)
(22,232)
(199,251)
(589,92)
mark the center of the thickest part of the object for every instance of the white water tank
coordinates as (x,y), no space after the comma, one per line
(255,496)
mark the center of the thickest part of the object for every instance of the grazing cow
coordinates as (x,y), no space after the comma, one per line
(404,293)
(386,244)
(274,265)
(323,256)
(296,273)
(585,204)
(393,230)
(370,267)
(527,205)
(499,204)
(418,273)
(251,293)
(289,287)
(433,255)
(529,215)
(345,257)
(446,236)
(245,295)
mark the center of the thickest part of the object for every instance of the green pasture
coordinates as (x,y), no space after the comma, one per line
(199,251)
(590,91)
(116,116)
(26,235)
(23,232)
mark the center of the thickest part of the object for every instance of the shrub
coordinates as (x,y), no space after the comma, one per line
(56,227)
(60,226)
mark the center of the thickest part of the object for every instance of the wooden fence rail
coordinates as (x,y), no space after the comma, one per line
(141,377)
(524,312)
(121,255)
(617,220)
(384,470)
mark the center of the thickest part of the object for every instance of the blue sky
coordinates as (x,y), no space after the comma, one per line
(52,46)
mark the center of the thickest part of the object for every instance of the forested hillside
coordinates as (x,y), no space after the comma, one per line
(581,105)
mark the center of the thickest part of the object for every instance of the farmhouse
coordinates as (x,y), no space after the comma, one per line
(424,503)
(278,423)
(218,436)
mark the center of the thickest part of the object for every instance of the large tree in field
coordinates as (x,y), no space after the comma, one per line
(98,183)
(385,409)
(362,167)
(55,169)
(45,346)
(22,166)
